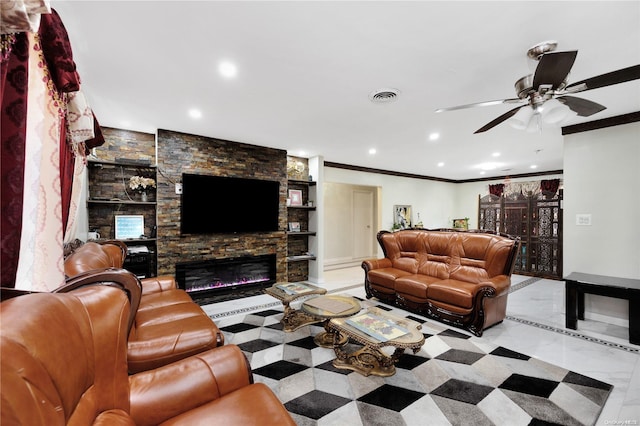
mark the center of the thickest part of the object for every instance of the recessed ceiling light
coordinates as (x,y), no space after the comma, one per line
(372,151)
(195,113)
(533,166)
(227,69)
(489,166)
(440,164)
(495,154)
(483,172)
(434,136)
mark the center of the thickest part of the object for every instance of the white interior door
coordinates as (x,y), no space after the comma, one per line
(363,220)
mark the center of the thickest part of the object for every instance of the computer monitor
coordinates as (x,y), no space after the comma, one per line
(129,226)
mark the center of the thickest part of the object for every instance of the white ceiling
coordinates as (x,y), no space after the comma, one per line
(306,69)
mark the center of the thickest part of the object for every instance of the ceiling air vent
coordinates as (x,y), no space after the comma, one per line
(384,95)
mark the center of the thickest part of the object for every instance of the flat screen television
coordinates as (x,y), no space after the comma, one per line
(219,204)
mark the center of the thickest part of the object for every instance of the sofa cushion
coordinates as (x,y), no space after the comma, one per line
(251,405)
(165,298)
(154,345)
(415,285)
(480,256)
(454,292)
(168,313)
(386,277)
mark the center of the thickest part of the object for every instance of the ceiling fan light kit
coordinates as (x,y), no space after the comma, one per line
(548,84)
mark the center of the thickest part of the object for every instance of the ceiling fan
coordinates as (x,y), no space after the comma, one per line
(549,83)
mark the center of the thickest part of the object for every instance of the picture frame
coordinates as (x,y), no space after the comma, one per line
(461,223)
(402,218)
(295,195)
(294,226)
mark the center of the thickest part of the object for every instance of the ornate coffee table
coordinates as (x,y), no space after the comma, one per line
(370,359)
(328,307)
(294,319)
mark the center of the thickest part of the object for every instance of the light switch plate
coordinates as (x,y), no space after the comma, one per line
(583,219)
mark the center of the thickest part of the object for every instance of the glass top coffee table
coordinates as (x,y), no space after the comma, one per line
(374,329)
(328,307)
(294,319)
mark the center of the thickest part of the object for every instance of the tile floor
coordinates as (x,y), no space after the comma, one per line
(534,326)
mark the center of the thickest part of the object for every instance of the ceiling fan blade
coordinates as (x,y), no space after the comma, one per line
(482,104)
(583,107)
(614,77)
(499,120)
(553,68)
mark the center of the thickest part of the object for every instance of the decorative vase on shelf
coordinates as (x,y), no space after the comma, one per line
(144,196)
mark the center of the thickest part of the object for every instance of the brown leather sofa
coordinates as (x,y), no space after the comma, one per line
(64,362)
(461,278)
(168,324)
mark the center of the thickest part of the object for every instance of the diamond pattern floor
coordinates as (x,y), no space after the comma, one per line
(455,379)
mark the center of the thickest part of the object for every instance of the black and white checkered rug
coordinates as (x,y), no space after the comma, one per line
(455,379)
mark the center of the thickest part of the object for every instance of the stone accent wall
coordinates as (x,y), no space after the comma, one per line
(184,153)
(126,144)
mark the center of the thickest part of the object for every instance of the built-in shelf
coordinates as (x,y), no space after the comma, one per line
(149,203)
(300,258)
(302,207)
(299,217)
(294,233)
(302,182)
(109,196)
(132,163)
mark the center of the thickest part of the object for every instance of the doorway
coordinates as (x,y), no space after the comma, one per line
(351,224)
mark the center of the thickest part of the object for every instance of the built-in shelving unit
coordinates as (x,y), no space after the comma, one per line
(109,196)
(298,254)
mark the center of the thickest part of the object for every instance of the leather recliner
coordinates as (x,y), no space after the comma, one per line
(64,362)
(168,324)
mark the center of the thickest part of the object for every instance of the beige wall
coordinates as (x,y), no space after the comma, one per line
(602,179)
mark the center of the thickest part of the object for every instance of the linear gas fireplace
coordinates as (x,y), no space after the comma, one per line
(217,276)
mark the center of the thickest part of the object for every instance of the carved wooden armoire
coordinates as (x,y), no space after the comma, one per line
(533,212)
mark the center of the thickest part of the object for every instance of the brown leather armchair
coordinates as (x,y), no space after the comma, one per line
(64,362)
(168,324)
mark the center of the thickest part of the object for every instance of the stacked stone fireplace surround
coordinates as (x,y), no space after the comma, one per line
(179,153)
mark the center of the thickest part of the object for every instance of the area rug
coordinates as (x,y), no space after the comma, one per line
(455,379)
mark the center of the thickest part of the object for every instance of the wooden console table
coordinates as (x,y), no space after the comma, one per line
(577,284)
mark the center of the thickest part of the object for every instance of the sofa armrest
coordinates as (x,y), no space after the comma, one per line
(501,284)
(163,393)
(158,284)
(371,264)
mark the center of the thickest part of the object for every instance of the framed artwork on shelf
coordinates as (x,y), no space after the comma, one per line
(461,223)
(294,226)
(401,217)
(295,195)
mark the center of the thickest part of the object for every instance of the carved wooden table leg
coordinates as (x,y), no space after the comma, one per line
(294,319)
(367,360)
(326,339)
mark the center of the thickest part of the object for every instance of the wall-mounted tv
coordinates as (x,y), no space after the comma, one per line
(218,204)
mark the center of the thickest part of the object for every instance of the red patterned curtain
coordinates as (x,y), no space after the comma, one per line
(56,49)
(550,186)
(496,189)
(13,94)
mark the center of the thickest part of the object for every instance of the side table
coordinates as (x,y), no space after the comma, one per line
(294,319)
(578,283)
